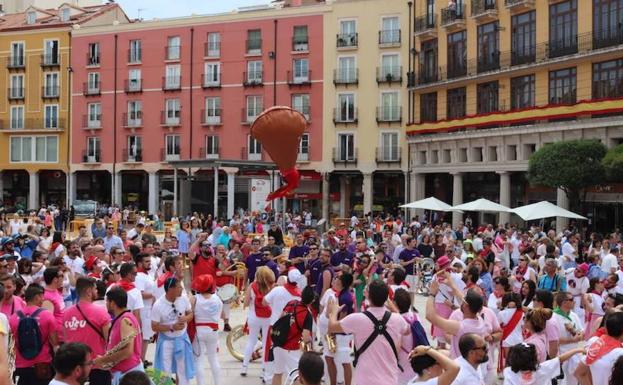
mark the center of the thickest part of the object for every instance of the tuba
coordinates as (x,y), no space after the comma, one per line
(330,341)
(306,346)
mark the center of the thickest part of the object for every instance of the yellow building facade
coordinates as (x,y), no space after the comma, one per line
(497,79)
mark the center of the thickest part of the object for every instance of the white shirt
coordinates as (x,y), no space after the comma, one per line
(167,313)
(432,381)
(602,368)
(477,244)
(609,263)
(145,283)
(278,298)
(468,375)
(564,333)
(323,321)
(208,310)
(568,252)
(57,382)
(135,298)
(76,265)
(504,316)
(543,375)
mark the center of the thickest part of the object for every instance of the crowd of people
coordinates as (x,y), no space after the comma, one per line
(511,305)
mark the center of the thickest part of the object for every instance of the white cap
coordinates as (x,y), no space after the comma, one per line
(294,275)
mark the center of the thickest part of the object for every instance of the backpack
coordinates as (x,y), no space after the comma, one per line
(380,328)
(281,328)
(29,338)
(418,333)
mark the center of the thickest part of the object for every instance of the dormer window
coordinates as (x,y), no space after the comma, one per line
(31,17)
(65,14)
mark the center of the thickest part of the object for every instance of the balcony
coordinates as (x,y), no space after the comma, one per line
(212,49)
(16,62)
(346,76)
(517,6)
(170,118)
(171,83)
(254,47)
(389,38)
(453,19)
(92,156)
(345,116)
(525,56)
(210,82)
(16,93)
(133,156)
(212,117)
(50,61)
(167,156)
(389,74)
(388,155)
(31,126)
(484,11)
(456,70)
(426,26)
(489,63)
(133,86)
(253,79)
(562,47)
(389,114)
(209,153)
(50,92)
(342,155)
(245,154)
(345,41)
(93,60)
(91,89)
(134,120)
(92,121)
(299,79)
(300,44)
(135,56)
(172,52)
(607,38)
(249,115)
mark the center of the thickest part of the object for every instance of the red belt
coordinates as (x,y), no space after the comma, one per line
(213,325)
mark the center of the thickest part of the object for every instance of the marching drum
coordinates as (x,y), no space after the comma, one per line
(227,293)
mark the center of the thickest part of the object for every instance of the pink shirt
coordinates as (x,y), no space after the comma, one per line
(56,298)
(115,338)
(10,308)
(403,353)
(47,326)
(76,329)
(377,364)
(492,324)
(539,340)
(469,325)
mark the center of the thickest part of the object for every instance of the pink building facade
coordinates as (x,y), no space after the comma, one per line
(147,93)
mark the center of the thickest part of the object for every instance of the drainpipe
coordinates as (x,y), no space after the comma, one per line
(275,64)
(68,185)
(114,128)
(411,70)
(190,93)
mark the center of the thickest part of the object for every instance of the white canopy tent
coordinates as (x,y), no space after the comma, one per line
(542,210)
(430,203)
(482,205)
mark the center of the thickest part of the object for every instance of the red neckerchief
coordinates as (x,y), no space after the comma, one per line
(520,273)
(498,295)
(470,285)
(125,285)
(162,279)
(140,270)
(604,345)
(54,246)
(94,275)
(292,289)
(600,332)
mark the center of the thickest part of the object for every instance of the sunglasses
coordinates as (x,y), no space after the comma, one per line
(483,348)
(313,248)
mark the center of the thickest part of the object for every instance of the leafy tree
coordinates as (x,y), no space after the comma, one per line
(613,163)
(571,166)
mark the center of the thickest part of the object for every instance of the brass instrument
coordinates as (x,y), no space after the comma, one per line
(117,348)
(331,344)
(306,346)
(11,356)
(234,345)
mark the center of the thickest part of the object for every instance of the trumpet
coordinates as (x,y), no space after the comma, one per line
(306,346)
(331,344)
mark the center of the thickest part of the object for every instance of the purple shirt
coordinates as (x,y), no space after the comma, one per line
(298,252)
(342,257)
(252,262)
(315,267)
(346,299)
(408,255)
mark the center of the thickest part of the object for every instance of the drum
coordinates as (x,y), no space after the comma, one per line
(227,293)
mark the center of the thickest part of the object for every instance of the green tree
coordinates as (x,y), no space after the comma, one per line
(613,163)
(571,166)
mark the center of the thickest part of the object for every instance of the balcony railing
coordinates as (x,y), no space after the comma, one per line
(210,82)
(91,122)
(303,156)
(212,49)
(50,92)
(564,99)
(346,76)
(133,156)
(481,7)
(253,78)
(299,79)
(341,116)
(300,44)
(249,115)
(389,37)
(343,155)
(607,37)
(389,74)
(174,154)
(305,110)
(519,4)
(214,118)
(456,70)
(171,83)
(93,60)
(425,23)
(563,47)
(170,120)
(347,40)
(525,56)
(50,60)
(16,62)
(453,15)
(245,154)
(16,93)
(31,124)
(134,120)
(388,154)
(209,153)
(91,88)
(133,86)
(489,62)
(172,52)
(93,156)
(388,114)
(254,46)
(428,75)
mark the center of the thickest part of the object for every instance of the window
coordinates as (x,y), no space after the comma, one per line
(93,149)
(136,53)
(390,107)
(303,154)
(51,116)
(173,76)
(17,54)
(563,28)
(523,38)
(94,54)
(135,148)
(390,30)
(254,72)
(17,117)
(301,70)
(212,74)
(456,103)
(93,83)
(65,14)
(457,54)
(300,103)
(488,47)
(173,48)
(348,34)
(134,80)
(522,92)
(300,39)
(430,13)
(254,42)
(428,61)
(135,113)
(94,118)
(390,67)
(40,149)
(213,110)
(214,44)
(346,108)
(608,79)
(31,17)
(562,86)
(255,148)
(389,146)
(346,149)
(428,107)
(212,146)
(607,19)
(347,72)
(50,52)
(50,88)
(172,111)
(487,95)
(172,147)
(17,87)
(254,107)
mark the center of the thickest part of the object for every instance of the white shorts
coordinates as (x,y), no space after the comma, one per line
(343,349)
(412,281)
(285,360)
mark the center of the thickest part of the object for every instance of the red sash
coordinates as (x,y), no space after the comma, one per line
(604,345)
(292,289)
(261,310)
(506,331)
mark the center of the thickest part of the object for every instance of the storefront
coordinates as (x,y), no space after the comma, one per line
(15,184)
(308,195)
(94,185)
(52,187)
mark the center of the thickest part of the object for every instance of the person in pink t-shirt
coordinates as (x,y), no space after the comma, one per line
(52,298)
(88,324)
(10,302)
(25,369)
(378,364)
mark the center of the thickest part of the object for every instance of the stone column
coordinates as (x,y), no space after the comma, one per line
(118,189)
(185,195)
(33,192)
(71,187)
(418,192)
(368,192)
(343,196)
(457,197)
(231,177)
(325,196)
(1,187)
(561,201)
(505,195)
(215,192)
(153,193)
(175,194)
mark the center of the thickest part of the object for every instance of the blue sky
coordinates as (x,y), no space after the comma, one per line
(174,8)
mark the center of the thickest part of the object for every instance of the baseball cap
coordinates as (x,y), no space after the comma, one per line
(584,268)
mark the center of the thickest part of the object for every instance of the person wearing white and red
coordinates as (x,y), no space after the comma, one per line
(570,332)
(224,277)
(511,321)
(146,285)
(577,286)
(258,315)
(207,308)
(201,256)
(173,268)
(603,351)
(88,324)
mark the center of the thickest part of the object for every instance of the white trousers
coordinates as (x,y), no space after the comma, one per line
(206,345)
(168,348)
(255,325)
